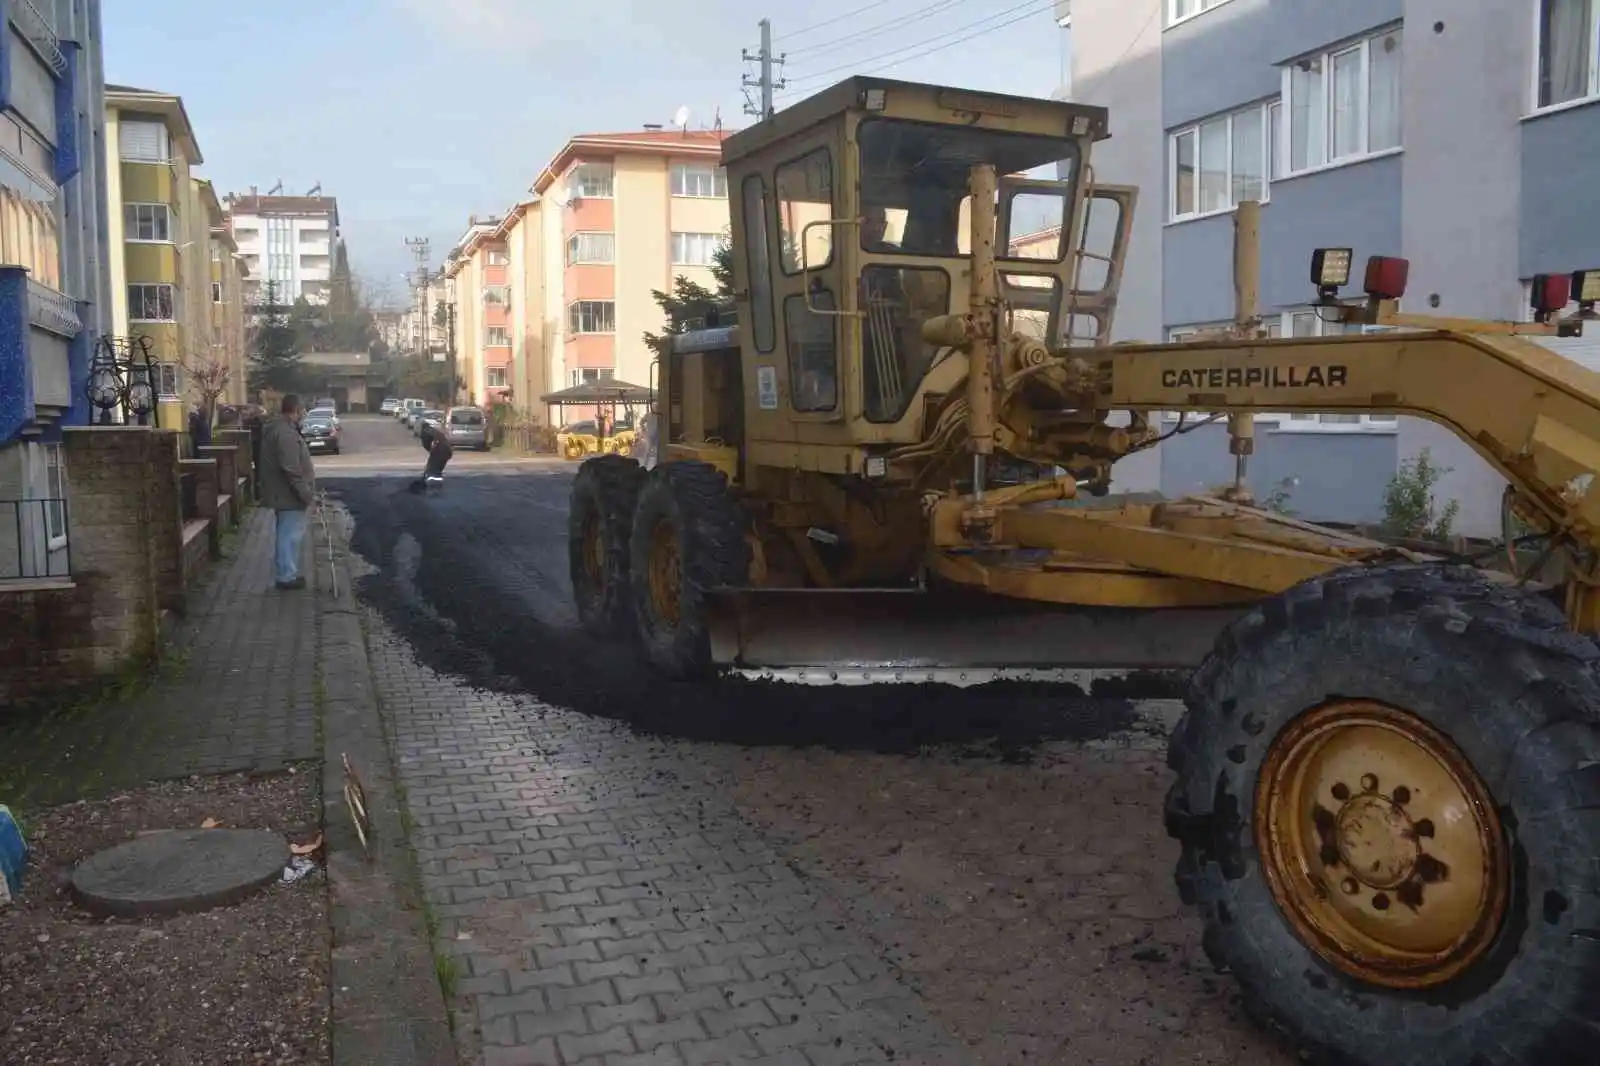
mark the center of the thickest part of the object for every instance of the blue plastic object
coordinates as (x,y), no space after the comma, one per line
(13,856)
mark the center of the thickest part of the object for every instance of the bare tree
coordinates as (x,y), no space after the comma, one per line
(209,377)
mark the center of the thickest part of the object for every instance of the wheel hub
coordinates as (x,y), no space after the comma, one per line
(1381,844)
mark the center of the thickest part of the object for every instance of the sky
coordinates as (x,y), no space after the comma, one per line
(419,113)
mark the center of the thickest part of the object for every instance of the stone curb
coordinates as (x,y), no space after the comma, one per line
(387,1006)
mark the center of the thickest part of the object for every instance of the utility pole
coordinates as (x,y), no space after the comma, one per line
(419,251)
(450,348)
(764,80)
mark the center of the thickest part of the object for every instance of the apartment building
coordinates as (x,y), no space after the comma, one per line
(478,271)
(54,280)
(288,241)
(175,278)
(1462,136)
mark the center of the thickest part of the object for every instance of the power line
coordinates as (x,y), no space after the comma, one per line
(888,59)
(835,19)
(874,30)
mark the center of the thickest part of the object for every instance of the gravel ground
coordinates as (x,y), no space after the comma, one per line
(238,985)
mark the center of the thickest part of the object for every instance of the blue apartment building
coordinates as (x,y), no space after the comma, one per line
(54,274)
(1464,136)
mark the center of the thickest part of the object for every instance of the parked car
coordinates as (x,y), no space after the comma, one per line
(426,422)
(325,403)
(409,407)
(468,428)
(321,431)
(389,406)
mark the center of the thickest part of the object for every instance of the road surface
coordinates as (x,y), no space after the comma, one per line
(638,871)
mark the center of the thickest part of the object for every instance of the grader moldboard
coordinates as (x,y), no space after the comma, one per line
(1387,784)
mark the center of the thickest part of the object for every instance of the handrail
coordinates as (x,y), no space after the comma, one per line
(41,33)
(52,310)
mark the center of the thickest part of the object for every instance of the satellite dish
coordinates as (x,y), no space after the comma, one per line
(681,118)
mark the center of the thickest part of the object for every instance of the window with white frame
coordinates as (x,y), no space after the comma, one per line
(592,316)
(494,377)
(591,248)
(150,303)
(169,381)
(590,180)
(588,375)
(699,181)
(497,257)
(1180,10)
(1343,104)
(1569,52)
(695,249)
(55,488)
(496,337)
(140,141)
(1218,163)
(497,294)
(147,222)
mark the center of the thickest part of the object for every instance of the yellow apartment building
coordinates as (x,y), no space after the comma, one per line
(570,271)
(176,280)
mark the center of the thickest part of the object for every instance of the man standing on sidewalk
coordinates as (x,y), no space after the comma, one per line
(288,485)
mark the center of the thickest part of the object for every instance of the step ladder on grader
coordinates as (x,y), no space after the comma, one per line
(891,460)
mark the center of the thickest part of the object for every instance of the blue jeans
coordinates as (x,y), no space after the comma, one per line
(291,531)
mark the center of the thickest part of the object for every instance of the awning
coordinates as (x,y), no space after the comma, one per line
(592,392)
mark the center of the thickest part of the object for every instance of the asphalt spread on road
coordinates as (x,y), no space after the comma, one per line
(474,577)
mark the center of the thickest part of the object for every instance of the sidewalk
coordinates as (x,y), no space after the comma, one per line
(238,693)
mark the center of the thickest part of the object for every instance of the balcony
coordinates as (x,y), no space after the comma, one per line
(39,31)
(36,377)
(52,311)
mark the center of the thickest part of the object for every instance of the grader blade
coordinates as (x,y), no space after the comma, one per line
(950,637)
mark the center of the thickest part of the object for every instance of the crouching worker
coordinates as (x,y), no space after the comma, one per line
(439,453)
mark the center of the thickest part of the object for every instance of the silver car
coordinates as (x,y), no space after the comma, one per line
(467,428)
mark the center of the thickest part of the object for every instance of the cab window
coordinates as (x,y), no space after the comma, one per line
(805,195)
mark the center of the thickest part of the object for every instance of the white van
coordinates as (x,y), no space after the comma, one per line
(408,408)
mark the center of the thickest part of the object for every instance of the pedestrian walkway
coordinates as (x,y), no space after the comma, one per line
(236,693)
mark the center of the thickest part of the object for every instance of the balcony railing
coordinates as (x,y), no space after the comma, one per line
(41,33)
(33,540)
(53,311)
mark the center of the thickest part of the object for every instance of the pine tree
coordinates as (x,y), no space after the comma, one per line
(274,351)
(689,299)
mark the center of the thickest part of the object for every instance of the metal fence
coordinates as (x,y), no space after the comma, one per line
(33,539)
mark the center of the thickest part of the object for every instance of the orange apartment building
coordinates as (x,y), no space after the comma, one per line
(557,291)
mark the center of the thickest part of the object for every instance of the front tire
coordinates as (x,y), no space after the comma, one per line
(598,526)
(1360,923)
(688,539)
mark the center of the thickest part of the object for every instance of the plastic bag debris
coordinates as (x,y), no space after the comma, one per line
(299,867)
(13,856)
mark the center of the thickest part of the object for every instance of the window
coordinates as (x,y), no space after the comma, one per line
(1220,162)
(1569,51)
(497,294)
(592,316)
(590,179)
(169,378)
(147,222)
(1182,10)
(150,303)
(495,378)
(497,257)
(144,141)
(55,488)
(588,375)
(695,249)
(591,248)
(705,182)
(758,261)
(497,337)
(216,292)
(813,352)
(1344,105)
(805,195)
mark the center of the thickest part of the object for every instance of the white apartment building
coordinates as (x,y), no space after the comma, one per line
(288,240)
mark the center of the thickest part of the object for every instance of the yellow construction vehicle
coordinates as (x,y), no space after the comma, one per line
(1387,782)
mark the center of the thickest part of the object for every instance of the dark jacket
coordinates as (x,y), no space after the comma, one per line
(288,479)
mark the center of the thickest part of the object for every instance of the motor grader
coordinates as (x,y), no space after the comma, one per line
(1387,778)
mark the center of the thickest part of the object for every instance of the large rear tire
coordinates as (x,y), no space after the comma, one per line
(1324,737)
(604,494)
(688,538)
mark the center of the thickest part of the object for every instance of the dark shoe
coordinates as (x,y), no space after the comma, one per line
(297,583)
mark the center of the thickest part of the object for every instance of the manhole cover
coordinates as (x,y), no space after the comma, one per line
(179,871)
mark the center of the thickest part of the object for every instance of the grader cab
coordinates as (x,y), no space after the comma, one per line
(891,460)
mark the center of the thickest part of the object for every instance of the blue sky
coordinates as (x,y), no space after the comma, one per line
(417,113)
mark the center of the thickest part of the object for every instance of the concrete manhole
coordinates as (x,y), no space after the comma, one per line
(179,871)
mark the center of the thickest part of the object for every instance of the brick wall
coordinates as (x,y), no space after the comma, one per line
(125,536)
